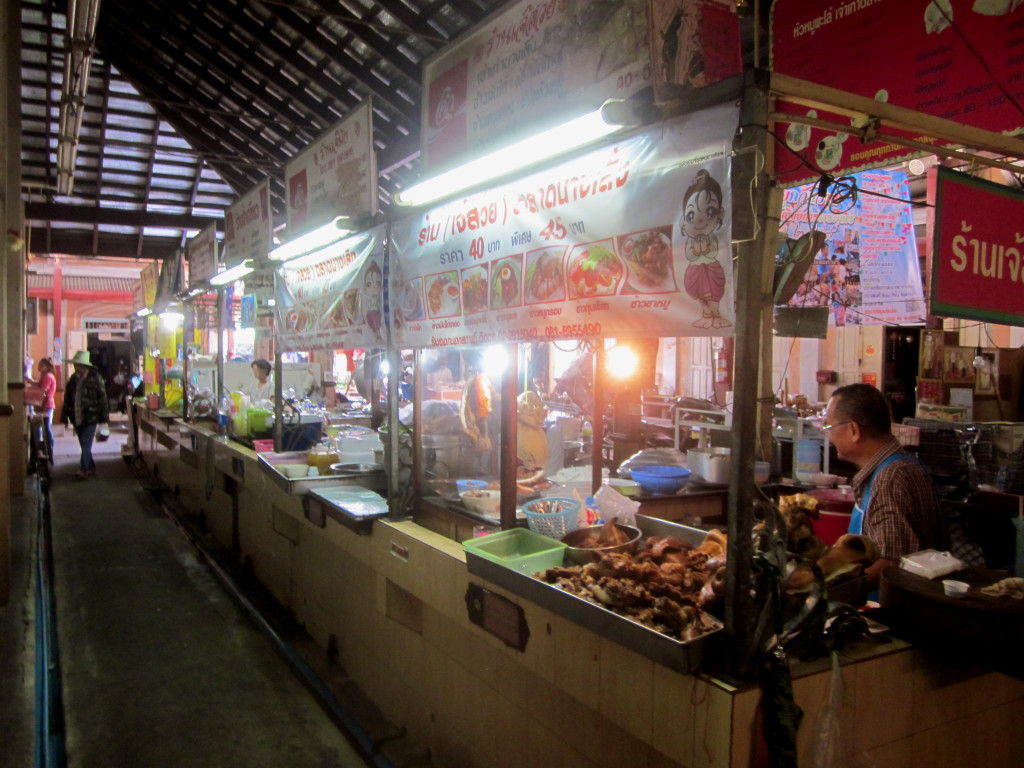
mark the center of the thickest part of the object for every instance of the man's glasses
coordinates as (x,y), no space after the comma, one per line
(827,427)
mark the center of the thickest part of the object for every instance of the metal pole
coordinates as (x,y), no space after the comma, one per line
(509,439)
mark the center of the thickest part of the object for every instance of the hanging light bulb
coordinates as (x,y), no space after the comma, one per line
(979,359)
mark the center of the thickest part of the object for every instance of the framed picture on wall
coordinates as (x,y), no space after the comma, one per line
(931,355)
(958,364)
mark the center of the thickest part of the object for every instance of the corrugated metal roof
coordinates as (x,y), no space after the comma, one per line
(191,104)
(80,283)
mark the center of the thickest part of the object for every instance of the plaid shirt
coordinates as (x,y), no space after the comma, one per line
(903,514)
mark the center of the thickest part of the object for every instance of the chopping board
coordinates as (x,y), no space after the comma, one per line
(978,628)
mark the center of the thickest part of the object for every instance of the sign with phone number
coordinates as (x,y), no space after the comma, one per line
(629,240)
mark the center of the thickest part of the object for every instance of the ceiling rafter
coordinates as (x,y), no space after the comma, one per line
(192,103)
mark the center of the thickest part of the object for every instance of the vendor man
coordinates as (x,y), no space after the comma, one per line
(897,506)
(262,385)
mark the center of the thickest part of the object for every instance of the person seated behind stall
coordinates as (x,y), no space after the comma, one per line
(897,506)
(262,385)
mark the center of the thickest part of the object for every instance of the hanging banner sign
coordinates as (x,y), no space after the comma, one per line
(333,299)
(962,60)
(171,280)
(138,295)
(528,67)
(694,43)
(149,277)
(631,240)
(249,227)
(336,175)
(867,272)
(977,262)
(201,252)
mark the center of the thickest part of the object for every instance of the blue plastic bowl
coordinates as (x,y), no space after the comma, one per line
(659,478)
(470,485)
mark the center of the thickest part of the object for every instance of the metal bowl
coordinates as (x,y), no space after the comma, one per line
(355,469)
(582,555)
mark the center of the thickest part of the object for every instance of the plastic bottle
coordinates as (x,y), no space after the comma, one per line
(223,416)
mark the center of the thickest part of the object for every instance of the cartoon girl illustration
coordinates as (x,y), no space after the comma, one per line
(373,285)
(704,277)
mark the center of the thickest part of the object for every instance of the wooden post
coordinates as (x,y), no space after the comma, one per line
(740,610)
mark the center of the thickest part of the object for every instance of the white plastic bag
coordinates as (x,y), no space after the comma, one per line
(611,503)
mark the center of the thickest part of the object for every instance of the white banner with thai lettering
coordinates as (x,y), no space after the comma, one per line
(527,67)
(201,252)
(630,240)
(333,298)
(249,226)
(336,175)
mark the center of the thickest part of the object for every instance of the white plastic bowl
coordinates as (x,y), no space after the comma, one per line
(482,500)
(823,480)
(954,588)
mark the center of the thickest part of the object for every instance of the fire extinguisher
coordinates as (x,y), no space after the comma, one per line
(723,365)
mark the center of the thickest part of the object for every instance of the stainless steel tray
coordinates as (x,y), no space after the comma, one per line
(684,657)
(297,486)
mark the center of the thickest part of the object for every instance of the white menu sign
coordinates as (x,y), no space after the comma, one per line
(530,66)
(249,226)
(201,252)
(336,175)
(630,240)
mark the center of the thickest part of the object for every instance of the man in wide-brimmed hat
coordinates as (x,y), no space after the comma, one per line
(86,407)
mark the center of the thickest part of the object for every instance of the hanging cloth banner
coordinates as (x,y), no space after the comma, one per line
(630,240)
(333,299)
(867,272)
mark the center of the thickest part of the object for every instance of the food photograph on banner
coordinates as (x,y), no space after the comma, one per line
(333,298)
(628,240)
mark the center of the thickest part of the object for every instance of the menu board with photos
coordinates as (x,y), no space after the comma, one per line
(628,240)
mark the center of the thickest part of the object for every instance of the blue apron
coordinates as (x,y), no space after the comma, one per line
(857,518)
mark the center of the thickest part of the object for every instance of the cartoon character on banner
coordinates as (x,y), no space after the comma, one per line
(373,284)
(704,277)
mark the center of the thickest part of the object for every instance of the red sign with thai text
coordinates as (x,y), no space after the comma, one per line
(962,60)
(977,264)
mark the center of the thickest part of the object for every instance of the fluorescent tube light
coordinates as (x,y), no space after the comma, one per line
(542,146)
(313,241)
(172,319)
(326,252)
(145,311)
(232,274)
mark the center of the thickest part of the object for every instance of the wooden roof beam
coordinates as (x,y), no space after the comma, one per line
(864,109)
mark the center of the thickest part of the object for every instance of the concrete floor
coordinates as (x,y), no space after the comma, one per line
(160,666)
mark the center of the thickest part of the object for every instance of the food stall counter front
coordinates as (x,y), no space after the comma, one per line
(396,599)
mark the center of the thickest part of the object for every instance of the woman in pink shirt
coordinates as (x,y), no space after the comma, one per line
(48,383)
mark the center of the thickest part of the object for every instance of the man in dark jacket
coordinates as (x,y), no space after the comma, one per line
(86,407)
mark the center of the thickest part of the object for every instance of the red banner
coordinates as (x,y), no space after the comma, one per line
(977,259)
(961,60)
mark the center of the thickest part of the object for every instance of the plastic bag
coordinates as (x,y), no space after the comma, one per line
(831,747)
(611,503)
